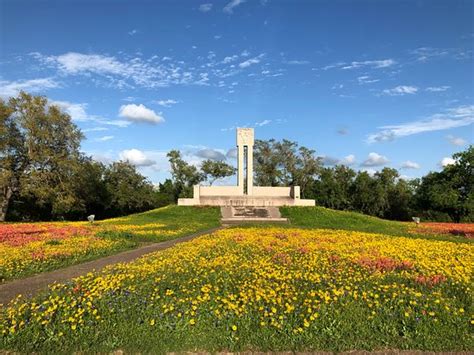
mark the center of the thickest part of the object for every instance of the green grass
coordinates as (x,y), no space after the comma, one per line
(164,223)
(147,306)
(325,218)
(128,232)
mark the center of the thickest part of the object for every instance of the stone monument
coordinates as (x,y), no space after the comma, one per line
(245,194)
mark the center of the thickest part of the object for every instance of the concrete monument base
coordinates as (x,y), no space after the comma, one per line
(245,194)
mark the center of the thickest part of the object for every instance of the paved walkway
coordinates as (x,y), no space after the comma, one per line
(31,285)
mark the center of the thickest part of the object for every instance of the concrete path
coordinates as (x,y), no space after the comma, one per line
(31,285)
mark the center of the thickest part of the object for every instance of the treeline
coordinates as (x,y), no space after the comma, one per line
(44,176)
(447,195)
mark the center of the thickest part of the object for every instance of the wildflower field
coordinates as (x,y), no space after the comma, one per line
(459,229)
(28,248)
(261,289)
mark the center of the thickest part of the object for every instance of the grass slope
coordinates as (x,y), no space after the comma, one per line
(320,217)
(164,223)
(124,233)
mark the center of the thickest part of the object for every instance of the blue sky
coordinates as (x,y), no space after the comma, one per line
(366,83)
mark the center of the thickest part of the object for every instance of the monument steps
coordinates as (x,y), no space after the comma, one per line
(251,214)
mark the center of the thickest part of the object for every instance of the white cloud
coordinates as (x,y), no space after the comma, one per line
(229,8)
(437,88)
(212,154)
(216,37)
(401,90)
(95,129)
(73,63)
(262,123)
(205,7)
(423,54)
(12,88)
(410,165)
(231,153)
(250,61)
(375,159)
(76,111)
(374,64)
(116,123)
(370,171)
(139,113)
(136,157)
(297,62)
(456,140)
(447,161)
(133,32)
(104,138)
(230,59)
(126,73)
(385,63)
(329,161)
(365,79)
(166,103)
(349,159)
(456,117)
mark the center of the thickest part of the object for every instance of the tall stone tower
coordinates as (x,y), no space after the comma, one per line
(245,141)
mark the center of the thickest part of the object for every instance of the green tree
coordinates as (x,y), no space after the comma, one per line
(284,164)
(90,188)
(165,193)
(214,169)
(332,188)
(184,175)
(450,191)
(368,195)
(266,163)
(129,191)
(39,153)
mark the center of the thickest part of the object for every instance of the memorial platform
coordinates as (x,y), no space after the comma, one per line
(245,194)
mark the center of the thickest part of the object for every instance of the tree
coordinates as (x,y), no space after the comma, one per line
(165,193)
(400,197)
(184,175)
(307,168)
(266,163)
(39,152)
(213,170)
(368,195)
(12,157)
(129,191)
(284,164)
(90,188)
(450,191)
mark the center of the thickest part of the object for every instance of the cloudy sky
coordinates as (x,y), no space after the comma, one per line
(365,83)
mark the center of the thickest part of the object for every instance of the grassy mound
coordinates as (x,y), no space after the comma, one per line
(320,217)
(164,223)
